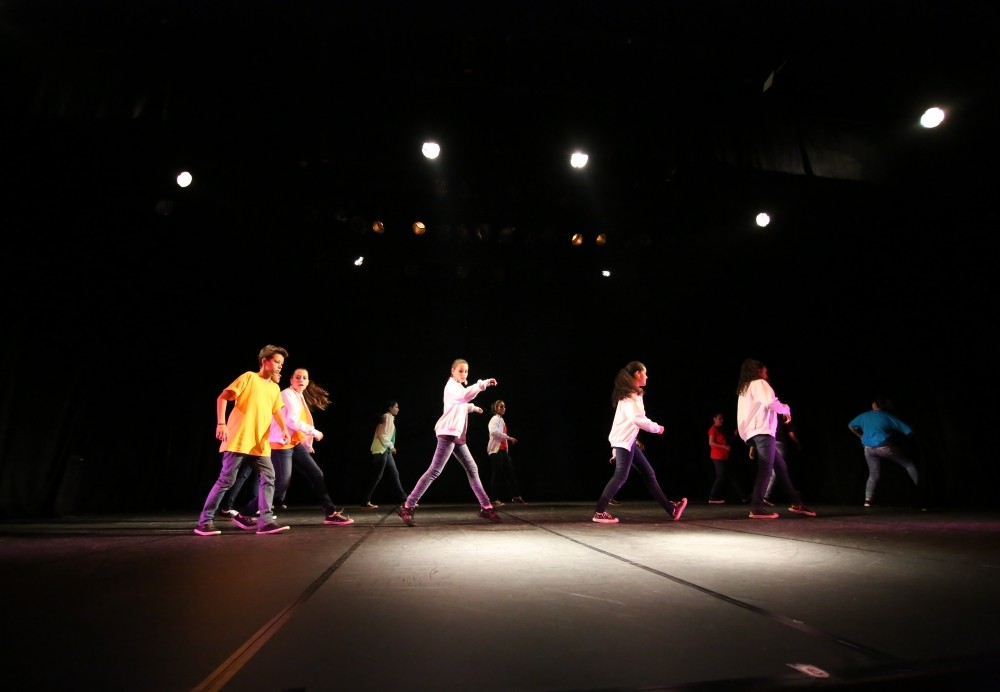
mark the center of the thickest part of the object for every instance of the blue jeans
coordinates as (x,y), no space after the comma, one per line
(304,463)
(231,462)
(624,459)
(445,447)
(874,456)
(770,461)
(783,450)
(380,463)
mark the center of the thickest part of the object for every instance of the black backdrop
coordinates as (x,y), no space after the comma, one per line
(123,325)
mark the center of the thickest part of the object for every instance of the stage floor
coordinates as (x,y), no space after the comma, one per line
(880,598)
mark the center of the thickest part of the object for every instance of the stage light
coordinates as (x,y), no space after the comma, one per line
(601,239)
(184,179)
(578,159)
(932,117)
(577,239)
(763,219)
(378,226)
(431,150)
(419,228)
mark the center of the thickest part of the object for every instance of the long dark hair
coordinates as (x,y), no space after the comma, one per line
(316,396)
(749,371)
(625,385)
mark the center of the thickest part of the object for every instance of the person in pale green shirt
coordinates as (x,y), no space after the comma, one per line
(382,449)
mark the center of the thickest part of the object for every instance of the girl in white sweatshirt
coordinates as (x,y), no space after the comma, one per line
(451,428)
(630,417)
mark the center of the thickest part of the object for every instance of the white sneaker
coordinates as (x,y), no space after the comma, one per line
(604,518)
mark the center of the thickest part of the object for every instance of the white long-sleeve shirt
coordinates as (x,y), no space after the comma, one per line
(455,418)
(498,433)
(630,417)
(294,419)
(757,410)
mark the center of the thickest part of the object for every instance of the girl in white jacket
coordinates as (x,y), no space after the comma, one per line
(451,428)
(630,417)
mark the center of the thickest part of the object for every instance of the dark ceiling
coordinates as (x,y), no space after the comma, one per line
(314,111)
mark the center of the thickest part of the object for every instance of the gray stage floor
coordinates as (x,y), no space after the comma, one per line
(547,600)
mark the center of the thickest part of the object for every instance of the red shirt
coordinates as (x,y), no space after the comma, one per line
(715,435)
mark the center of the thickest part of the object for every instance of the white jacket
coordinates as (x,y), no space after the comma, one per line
(630,417)
(757,410)
(455,419)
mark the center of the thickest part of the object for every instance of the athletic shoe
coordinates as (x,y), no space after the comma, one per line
(520,500)
(679,509)
(716,502)
(498,503)
(406,514)
(245,523)
(768,502)
(754,514)
(206,529)
(272,528)
(337,519)
(226,513)
(802,509)
(369,505)
(604,518)
(613,501)
(868,502)
(490,513)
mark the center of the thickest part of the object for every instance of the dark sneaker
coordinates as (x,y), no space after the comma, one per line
(490,513)
(406,514)
(768,502)
(245,523)
(868,502)
(604,518)
(369,505)
(519,500)
(206,529)
(761,514)
(337,519)
(679,509)
(272,528)
(498,503)
(226,513)
(613,501)
(802,509)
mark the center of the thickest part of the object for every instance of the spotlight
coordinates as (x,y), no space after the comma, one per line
(419,228)
(601,239)
(577,239)
(932,117)
(378,226)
